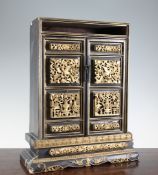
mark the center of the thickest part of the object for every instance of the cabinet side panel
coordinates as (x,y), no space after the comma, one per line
(34,78)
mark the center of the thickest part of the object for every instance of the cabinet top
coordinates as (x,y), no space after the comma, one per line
(75,21)
(80,26)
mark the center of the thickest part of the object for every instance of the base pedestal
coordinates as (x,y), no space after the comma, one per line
(57,154)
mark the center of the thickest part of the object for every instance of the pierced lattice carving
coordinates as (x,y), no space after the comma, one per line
(107,103)
(64,105)
(107,71)
(64,70)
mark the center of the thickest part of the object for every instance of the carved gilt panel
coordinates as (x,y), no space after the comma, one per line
(87,148)
(64,105)
(65,128)
(108,48)
(107,103)
(64,70)
(105,126)
(107,71)
(65,47)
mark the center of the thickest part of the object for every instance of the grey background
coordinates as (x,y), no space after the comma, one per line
(15,18)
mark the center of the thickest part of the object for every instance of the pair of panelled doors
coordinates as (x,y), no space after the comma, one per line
(85,89)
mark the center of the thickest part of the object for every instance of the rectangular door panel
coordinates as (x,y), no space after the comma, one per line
(106,88)
(64,93)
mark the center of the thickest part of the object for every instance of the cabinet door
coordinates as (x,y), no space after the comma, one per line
(64,59)
(107,86)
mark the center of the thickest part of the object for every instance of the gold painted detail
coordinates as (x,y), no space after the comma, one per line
(65,128)
(108,48)
(107,103)
(87,148)
(64,105)
(107,71)
(54,168)
(90,161)
(64,47)
(83,156)
(120,160)
(105,126)
(81,140)
(64,70)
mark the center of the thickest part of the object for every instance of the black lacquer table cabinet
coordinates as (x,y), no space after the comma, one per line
(78,95)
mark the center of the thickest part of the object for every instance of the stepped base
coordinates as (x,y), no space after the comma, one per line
(37,165)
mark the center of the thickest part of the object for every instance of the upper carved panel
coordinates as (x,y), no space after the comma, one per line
(64,70)
(64,47)
(107,71)
(108,48)
(107,103)
(64,105)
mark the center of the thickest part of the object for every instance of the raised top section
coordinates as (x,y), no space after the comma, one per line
(82,26)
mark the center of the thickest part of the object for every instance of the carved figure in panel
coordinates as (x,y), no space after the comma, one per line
(64,105)
(64,70)
(107,71)
(107,103)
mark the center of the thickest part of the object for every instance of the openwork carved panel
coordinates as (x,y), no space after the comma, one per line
(64,70)
(65,128)
(87,148)
(107,71)
(107,103)
(105,126)
(64,105)
(108,48)
(64,47)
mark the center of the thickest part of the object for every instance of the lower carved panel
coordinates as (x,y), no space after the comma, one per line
(65,128)
(107,103)
(64,105)
(87,148)
(105,126)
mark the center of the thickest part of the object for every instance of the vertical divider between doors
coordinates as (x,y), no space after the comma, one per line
(87,83)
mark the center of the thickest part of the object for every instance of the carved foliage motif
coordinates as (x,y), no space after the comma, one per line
(65,128)
(64,105)
(107,71)
(108,48)
(105,126)
(107,103)
(87,148)
(54,168)
(64,70)
(64,47)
